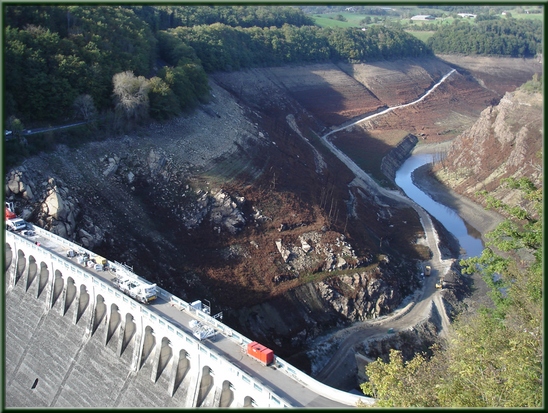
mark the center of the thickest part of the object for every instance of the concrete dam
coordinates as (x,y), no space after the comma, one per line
(74,340)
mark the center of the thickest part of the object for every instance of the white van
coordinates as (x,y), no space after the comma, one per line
(16,224)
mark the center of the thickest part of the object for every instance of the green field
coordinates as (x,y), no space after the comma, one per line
(421,35)
(354,19)
(535,16)
(324,21)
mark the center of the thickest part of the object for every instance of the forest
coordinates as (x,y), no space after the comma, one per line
(130,63)
(506,37)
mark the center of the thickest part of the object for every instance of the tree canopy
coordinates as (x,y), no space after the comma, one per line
(505,37)
(220,47)
(55,54)
(166,17)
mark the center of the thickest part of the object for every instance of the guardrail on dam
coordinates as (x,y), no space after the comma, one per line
(202,373)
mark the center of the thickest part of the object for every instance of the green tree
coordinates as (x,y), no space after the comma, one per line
(181,85)
(163,102)
(400,383)
(15,125)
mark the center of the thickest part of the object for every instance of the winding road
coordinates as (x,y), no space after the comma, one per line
(339,370)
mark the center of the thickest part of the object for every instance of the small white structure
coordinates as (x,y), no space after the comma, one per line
(467,15)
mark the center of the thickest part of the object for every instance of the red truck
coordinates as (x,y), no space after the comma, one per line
(261,353)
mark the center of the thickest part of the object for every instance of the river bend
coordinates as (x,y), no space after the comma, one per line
(470,245)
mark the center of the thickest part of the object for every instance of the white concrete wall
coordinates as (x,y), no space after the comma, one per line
(199,355)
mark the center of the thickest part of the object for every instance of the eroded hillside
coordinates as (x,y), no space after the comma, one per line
(240,203)
(506,141)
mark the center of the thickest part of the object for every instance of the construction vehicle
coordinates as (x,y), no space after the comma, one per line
(136,289)
(427,270)
(260,353)
(440,283)
(12,222)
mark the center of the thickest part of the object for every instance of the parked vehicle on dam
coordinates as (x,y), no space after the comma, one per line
(136,289)
(16,224)
(12,222)
(260,353)
(427,270)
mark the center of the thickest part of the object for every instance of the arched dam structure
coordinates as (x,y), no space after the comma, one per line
(72,339)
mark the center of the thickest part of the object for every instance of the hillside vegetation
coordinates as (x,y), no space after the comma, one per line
(504,37)
(61,55)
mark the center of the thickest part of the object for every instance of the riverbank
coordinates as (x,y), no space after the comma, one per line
(474,215)
(476,218)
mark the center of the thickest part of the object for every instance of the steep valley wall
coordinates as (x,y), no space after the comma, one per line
(506,141)
(199,203)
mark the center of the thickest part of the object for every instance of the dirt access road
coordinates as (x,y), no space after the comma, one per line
(336,372)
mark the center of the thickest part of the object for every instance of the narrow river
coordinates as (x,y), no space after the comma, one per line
(471,245)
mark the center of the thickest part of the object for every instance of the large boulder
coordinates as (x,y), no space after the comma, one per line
(54,206)
(17,185)
(156,162)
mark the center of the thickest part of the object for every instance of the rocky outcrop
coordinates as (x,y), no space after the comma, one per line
(319,251)
(223,209)
(397,156)
(156,162)
(226,213)
(359,296)
(58,211)
(112,166)
(303,313)
(506,141)
(49,205)
(16,185)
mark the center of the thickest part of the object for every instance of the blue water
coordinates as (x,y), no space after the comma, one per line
(451,221)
